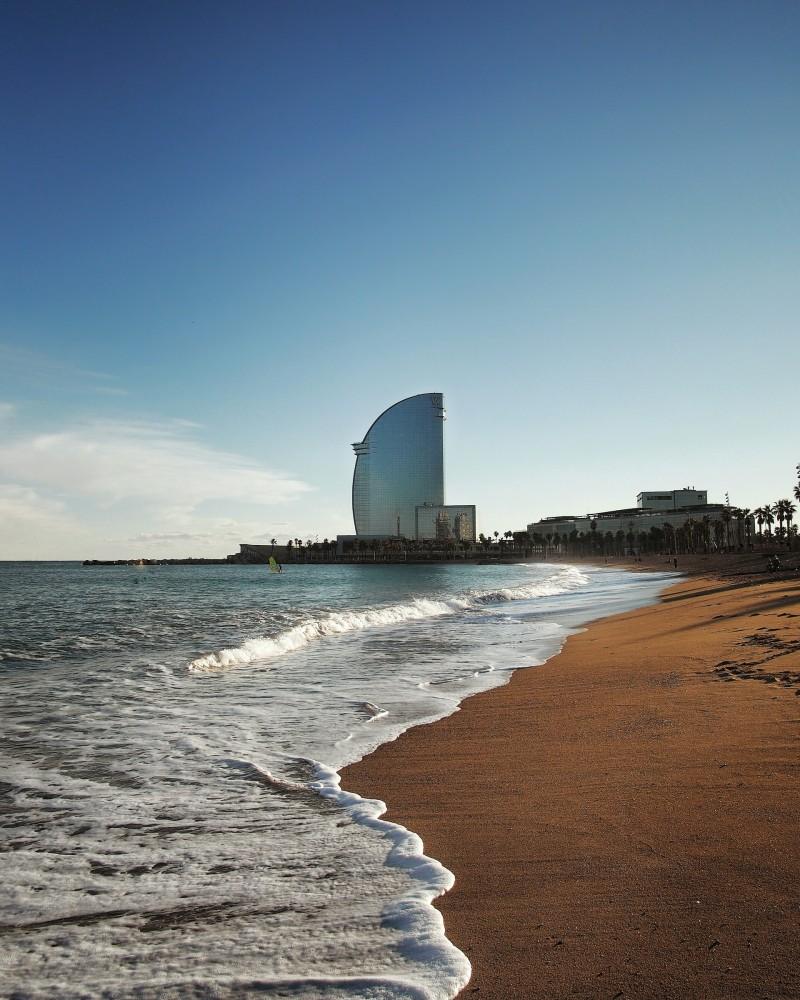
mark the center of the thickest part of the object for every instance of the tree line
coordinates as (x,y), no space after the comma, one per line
(731,531)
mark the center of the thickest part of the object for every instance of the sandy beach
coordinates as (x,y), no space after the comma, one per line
(624,821)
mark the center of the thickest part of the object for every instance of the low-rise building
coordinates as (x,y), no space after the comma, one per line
(667,509)
(445,522)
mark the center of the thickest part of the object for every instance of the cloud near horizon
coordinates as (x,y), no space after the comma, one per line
(26,515)
(71,479)
(112,461)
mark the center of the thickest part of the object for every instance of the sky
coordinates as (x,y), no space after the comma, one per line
(231,234)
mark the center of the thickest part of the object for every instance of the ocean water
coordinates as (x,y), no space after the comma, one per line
(171,817)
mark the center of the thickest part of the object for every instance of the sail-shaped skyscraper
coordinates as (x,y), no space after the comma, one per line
(399,466)
(398,481)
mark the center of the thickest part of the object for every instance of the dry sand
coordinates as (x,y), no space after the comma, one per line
(623,821)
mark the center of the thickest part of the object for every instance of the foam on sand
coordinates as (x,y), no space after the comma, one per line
(413,915)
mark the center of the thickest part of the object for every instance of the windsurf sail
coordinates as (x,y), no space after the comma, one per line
(274,565)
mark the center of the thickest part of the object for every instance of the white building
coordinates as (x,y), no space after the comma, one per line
(672,499)
(656,509)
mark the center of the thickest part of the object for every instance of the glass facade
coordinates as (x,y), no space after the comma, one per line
(400,466)
(451,523)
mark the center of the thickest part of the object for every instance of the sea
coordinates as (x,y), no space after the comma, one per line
(172,822)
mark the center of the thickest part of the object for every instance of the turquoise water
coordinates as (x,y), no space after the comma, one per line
(172,819)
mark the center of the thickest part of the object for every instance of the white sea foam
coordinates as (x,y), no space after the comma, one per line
(374,711)
(566,578)
(420,925)
(335,623)
(147,798)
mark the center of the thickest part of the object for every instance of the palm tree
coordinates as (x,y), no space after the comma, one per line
(273,542)
(690,527)
(769,520)
(785,510)
(738,515)
(725,516)
(745,513)
(759,516)
(705,532)
(789,511)
(780,513)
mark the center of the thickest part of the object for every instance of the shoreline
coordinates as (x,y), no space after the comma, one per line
(621,821)
(719,563)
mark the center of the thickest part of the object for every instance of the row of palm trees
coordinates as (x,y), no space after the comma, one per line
(389,549)
(703,535)
(783,512)
(732,531)
(298,550)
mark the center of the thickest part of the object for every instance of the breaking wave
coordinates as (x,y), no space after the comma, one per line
(334,623)
(341,622)
(567,578)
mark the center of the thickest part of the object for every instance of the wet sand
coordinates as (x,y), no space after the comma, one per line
(623,821)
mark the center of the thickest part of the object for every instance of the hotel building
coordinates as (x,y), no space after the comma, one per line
(398,480)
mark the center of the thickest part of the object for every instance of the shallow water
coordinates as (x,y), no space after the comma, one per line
(172,823)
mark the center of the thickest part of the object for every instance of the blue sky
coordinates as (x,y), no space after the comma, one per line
(233,233)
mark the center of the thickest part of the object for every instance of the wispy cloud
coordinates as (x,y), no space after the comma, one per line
(23,502)
(158,463)
(26,515)
(7,410)
(22,508)
(23,364)
(111,390)
(230,532)
(172,536)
